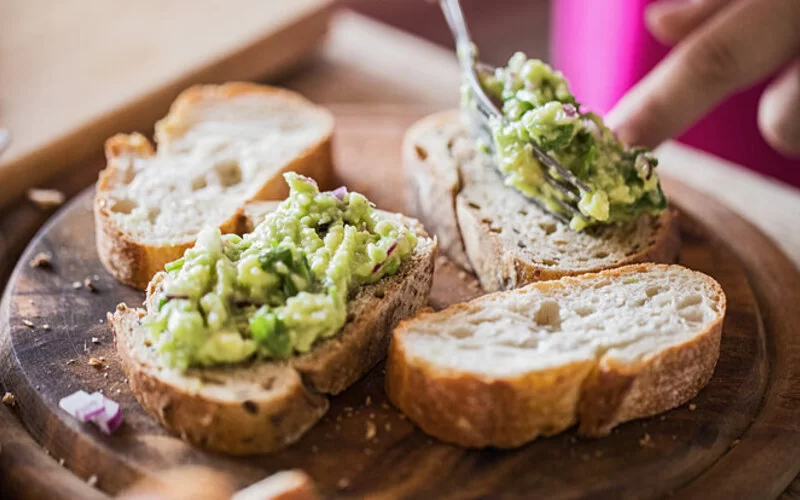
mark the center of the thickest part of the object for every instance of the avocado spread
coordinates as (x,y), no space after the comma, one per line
(538,107)
(279,289)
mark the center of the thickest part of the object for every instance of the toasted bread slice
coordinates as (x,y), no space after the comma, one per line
(597,350)
(263,406)
(494,231)
(219,147)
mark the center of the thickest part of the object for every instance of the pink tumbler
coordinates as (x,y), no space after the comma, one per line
(604,48)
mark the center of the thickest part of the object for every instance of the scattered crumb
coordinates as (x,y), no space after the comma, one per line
(95,340)
(315,449)
(573,439)
(462,275)
(9,399)
(348,408)
(70,361)
(646,441)
(27,323)
(598,453)
(734,443)
(46,199)
(388,427)
(343,483)
(105,375)
(101,321)
(371,430)
(45,326)
(692,407)
(385,406)
(91,480)
(662,417)
(372,416)
(96,363)
(76,284)
(88,283)
(43,260)
(402,416)
(368,401)
(148,342)
(119,391)
(337,427)
(61,462)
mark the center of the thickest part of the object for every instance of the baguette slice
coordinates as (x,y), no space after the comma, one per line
(219,147)
(494,231)
(597,350)
(263,406)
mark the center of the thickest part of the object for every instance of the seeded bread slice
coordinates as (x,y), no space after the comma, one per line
(219,147)
(495,232)
(263,406)
(597,350)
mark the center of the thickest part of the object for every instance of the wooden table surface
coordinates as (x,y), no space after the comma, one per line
(367,62)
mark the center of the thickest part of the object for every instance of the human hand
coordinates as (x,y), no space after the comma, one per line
(722,46)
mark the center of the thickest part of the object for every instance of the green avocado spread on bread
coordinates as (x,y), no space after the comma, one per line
(538,106)
(281,288)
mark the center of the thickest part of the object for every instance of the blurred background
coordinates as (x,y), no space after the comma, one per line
(73,73)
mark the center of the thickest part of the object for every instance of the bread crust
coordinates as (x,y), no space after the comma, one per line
(470,243)
(134,262)
(434,180)
(475,411)
(240,428)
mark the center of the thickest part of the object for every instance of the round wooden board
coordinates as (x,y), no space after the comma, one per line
(739,438)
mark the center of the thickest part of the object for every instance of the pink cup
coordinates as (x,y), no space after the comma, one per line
(604,48)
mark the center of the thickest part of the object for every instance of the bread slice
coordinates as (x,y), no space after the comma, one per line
(263,406)
(219,147)
(495,232)
(597,350)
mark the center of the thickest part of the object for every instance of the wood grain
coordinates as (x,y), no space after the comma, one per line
(74,73)
(693,447)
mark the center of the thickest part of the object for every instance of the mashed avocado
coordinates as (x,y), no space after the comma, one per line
(539,107)
(280,288)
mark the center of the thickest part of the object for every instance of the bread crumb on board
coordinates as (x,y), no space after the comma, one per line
(28,323)
(692,407)
(343,483)
(371,430)
(92,480)
(46,199)
(646,441)
(9,399)
(95,363)
(43,260)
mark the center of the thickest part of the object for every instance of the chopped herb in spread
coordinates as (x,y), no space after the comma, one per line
(539,107)
(279,289)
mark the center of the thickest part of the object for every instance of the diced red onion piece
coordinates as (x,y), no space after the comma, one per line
(82,406)
(570,110)
(110,418)
(308,180)
(339,193)
(96,408)
(389,252)
(391,249)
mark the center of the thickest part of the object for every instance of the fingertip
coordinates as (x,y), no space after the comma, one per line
(778,112)
(631,125)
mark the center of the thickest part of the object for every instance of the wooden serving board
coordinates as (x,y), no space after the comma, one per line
(738,439)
